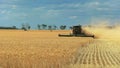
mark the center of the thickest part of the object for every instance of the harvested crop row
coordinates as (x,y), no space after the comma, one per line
(99,54)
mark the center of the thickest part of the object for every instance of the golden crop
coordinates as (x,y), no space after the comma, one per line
(37,49)
(44,49)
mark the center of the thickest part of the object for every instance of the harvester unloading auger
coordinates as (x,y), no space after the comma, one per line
(77,32)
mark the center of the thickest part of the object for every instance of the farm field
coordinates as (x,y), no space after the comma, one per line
(36,49)
(44,49)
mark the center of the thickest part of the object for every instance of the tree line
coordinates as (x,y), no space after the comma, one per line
(44,27)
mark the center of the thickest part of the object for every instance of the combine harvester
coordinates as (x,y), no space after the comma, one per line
(77,32)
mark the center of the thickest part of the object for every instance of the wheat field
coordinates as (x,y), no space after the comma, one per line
(36,49)
(44,49)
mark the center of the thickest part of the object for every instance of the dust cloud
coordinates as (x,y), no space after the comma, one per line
(103,30)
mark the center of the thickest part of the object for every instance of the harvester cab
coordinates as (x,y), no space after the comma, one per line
(77,31)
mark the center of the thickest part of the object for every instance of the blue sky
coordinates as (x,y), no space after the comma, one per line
(58,12)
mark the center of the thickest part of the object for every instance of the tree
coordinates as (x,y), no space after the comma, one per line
(50,27)
(44,26)
(39,27)
(14,27)
(71,27)
(54,27)
(63,27)
(26,27)
(23,27)
(29,27)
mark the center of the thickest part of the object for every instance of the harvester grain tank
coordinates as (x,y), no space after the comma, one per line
(77,31)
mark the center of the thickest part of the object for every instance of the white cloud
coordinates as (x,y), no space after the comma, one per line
(13,6)
(71,5)
(53,12)
(92,5)
(10,1)
(103,9)
(49,14)
(73,17)
(8,6)
(39,8)
(5,12)
(106,6)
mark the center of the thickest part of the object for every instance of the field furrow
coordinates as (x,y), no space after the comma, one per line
(98,54)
